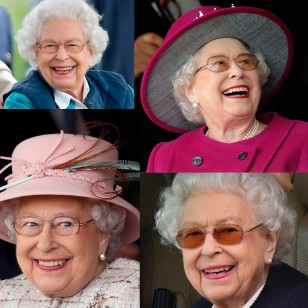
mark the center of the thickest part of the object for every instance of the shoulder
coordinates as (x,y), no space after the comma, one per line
(112,87)
(127,267)
(285,287)
(277,120)
(108,76)
(164,152)
(293,277)
(18,101)
(128,270)
(118,284)
(202,303)
(17,290)
(182,140)
(32,82)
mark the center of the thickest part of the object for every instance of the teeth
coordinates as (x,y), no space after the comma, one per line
(51,263)
(63,69)
(218,270)
(239,89)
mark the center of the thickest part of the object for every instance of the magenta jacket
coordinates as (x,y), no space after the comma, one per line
(281,147)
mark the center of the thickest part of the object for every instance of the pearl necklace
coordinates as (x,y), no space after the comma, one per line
(253,130)
(251,133)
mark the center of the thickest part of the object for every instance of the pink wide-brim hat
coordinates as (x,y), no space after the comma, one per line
(262,30)
(36,171)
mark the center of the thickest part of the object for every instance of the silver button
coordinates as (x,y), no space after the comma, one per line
(197,160)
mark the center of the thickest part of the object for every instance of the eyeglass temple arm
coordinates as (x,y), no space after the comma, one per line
(253,228)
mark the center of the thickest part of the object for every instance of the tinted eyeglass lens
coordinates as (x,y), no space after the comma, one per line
(228,234)
(218,64)
(246,62)
(190,238)
(224,234)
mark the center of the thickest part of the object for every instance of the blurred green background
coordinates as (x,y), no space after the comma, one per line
(18,9)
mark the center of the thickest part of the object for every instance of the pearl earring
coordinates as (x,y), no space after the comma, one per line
(269,261)
(102,256)
(194,104)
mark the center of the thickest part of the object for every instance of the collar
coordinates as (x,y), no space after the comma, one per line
(66,101)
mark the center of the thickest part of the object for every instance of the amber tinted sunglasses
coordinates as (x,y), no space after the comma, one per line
(226,234)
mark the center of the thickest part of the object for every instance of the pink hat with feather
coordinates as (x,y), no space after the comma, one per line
(70,165)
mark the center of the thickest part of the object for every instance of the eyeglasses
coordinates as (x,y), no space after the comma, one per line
(61,225)
(70,46)
(226,234)
(217,64)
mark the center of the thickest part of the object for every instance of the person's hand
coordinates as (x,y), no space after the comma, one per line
(145,46)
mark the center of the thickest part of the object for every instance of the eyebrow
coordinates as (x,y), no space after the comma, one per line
(30,214)
(69,40)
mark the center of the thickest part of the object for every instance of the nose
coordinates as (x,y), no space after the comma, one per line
(61,53)
(235,71)
(46,239)
(210,246)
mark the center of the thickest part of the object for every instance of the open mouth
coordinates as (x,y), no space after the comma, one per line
(63,69)
(51,264)
(238,91)
(218,272)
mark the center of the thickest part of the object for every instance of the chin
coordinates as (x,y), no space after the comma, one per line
(218,294)
(54,288)
(55,292)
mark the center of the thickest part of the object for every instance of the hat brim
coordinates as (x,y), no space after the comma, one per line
(261,30)
(67,187)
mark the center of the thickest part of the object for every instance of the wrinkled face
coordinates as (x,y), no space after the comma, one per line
(226,273)
(64,70)
(59,265)
(232,93)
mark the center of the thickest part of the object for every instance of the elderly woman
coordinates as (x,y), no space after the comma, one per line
(233,229)
(209,80)
(64,213)
(6,81)
(62,40)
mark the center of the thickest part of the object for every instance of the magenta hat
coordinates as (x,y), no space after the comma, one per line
(69,165)
(262,30)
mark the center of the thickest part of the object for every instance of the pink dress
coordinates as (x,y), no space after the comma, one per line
(281,147)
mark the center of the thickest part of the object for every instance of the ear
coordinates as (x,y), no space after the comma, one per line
(190,93)
(90,51)
(36,52)
(271,241)
(103,241)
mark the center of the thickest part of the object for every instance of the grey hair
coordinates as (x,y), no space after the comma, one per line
(263,194)
(108,217)
(183,77)
(28,36)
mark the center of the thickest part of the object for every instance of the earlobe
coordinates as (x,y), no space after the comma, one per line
(103,241)
(189,92)
(271,242)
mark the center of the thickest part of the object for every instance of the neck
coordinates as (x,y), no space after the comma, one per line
(252,131)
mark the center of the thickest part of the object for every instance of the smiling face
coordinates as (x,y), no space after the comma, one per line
(62,70)
(226,273)
(232,93)
(59,265)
